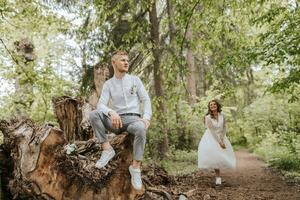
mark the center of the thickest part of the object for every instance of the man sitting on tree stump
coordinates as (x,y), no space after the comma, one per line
(126,92)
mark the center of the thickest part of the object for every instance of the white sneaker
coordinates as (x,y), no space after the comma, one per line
(218,181)
(106,156)
(136,179)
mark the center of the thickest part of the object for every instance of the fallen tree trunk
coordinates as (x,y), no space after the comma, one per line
(43,170)
(37,162)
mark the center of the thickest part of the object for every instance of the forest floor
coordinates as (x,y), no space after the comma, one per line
(251,180)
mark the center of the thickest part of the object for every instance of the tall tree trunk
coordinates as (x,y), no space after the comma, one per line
(158,78)
(83,36)
(181,144)
(25,57)
(190,58)
(249,91)
(171,23)
(201,71)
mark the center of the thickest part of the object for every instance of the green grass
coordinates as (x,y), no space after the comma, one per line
(292,175)
(180,162)
(286,163)
(237,147)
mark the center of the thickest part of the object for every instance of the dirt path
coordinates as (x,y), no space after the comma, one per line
(250,181)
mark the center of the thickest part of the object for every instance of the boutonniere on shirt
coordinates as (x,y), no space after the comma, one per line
(133,89)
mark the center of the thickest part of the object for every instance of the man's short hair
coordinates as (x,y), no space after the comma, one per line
(118,53)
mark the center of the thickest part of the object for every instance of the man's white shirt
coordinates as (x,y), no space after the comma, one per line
(126,95)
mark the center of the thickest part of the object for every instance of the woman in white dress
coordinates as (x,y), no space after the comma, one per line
(214,150)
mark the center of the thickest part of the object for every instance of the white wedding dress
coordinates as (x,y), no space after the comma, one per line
(210,154)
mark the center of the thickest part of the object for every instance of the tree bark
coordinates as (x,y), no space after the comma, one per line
(5,165)
(41,169)
(249,93)
(101,74)
(36,163)
(69,116)
(190,58)
(202,86)
(172,28)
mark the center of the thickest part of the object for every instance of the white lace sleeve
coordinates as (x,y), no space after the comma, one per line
(223,133)
(211,128)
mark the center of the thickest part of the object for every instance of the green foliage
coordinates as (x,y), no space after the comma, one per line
(46,84)
(185,126)
(278,46)
(286,162)
(36,82)
(271,126)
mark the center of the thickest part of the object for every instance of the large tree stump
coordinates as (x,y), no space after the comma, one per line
(43,170)
(34,162)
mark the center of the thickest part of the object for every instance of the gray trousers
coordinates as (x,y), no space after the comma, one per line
(132,124)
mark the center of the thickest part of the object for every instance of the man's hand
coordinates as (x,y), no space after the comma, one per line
(146,122)
(115,119)
(222,145)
